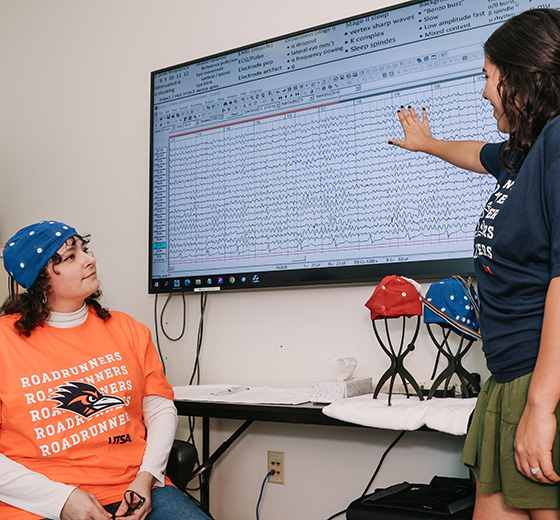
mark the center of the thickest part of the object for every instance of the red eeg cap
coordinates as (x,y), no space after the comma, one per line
(395,296)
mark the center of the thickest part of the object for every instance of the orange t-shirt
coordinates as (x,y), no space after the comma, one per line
(71,402)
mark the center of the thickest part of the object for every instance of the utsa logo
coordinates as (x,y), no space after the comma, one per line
(84,399)
(120,439)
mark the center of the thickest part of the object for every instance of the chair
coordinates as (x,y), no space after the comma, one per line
(180,466)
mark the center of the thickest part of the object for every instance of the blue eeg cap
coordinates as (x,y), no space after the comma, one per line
(453,303)
(29,250)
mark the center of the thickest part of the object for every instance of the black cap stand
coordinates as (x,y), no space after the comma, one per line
(397,360)
(470,383)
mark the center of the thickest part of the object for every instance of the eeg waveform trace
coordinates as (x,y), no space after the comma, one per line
(323,182)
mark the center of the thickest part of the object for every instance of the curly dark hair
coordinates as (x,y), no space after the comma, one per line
(526,50)
(32,306)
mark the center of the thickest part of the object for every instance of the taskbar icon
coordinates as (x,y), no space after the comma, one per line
(201,283)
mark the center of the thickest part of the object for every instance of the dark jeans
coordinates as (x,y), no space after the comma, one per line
(168,503)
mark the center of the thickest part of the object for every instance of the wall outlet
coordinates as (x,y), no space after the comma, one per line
(276,463)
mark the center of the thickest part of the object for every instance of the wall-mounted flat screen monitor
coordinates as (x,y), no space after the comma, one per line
(270,163)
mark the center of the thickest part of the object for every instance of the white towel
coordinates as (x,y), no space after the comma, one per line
(449,415)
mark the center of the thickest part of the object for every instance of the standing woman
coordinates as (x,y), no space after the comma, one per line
(513,445)
(86,415)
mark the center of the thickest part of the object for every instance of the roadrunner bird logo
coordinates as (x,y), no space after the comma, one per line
(84,399)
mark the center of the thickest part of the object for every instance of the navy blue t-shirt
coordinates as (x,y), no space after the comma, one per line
(517,253)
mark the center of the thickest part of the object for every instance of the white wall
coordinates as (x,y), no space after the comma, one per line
(74,103)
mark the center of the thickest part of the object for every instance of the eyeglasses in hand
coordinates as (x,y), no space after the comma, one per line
(133,502)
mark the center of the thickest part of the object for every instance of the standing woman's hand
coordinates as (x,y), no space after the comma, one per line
(418,138)
(417,133)
(533,445)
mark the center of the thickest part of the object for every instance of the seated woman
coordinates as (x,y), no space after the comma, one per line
(86,415)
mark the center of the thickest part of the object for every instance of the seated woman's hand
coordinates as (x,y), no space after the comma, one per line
(83,506)
(137,502)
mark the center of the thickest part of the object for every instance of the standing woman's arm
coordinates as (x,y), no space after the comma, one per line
(537,428)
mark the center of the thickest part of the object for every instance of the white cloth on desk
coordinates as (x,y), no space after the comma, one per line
(235,394)
(448,415)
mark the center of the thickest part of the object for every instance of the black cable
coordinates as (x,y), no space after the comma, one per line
(196,375)
(386,452)
(162,326)
(377,469)
(337,514)
(184,317)
(196,368)
(157,335)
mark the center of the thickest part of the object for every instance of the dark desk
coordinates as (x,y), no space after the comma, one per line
(249,413)
(298,414)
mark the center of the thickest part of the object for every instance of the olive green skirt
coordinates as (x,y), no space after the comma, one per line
(488,450)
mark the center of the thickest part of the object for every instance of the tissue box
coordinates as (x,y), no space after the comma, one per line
(329,391)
